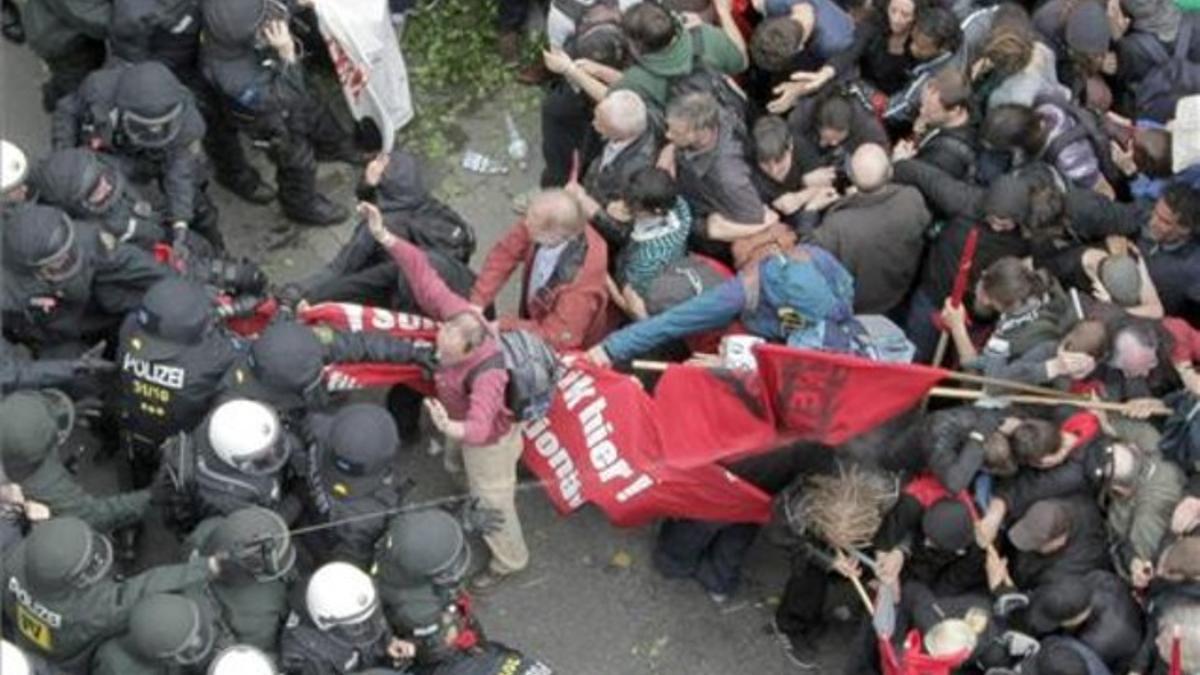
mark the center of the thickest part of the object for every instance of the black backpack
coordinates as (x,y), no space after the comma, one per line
(706,79)
(533,371)
(1175,77)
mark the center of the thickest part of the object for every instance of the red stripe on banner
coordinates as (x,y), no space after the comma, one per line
(601,443)
(830,398)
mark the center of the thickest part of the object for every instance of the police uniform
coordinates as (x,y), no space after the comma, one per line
(18,371)
(169,634)
(97,281)
(271,102)
(69,36)
(171,358)
(169,31)
(60,596)
(147,121)
(194,483)
(347,473)
(308,649)
(88,185)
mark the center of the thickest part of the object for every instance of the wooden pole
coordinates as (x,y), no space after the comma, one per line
(971,378)
(971,394)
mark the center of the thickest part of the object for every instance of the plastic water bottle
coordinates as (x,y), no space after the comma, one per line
(518,149)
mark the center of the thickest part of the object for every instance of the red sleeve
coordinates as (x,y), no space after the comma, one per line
(432,294)
(487,403)
(1185,338)
(1083,425)
(504,257)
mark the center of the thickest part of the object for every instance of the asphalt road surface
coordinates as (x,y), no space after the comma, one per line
(590,602)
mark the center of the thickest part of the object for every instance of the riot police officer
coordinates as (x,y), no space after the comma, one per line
(265,91)
(347,473)
(340,627)
(172,356)
(14,169)
(285,365)
(32,427)
(168,31)
(234,459)
(242,660)
(253,594)
(61,597)
(65,282)
(13,661)
(148,122)
(420,567)
(90,186)
(18,371)
(167,634)
(69,37)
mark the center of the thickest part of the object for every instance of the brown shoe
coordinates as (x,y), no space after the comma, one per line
(509,46)
(533,74)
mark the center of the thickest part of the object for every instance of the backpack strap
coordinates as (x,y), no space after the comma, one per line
(493,362)
(1183,39)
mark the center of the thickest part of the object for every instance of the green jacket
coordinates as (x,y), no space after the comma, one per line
(66,627)
(1140,521)
(55,487)
(650,76)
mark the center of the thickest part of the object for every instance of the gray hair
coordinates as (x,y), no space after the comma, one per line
(698,109)
(625,112)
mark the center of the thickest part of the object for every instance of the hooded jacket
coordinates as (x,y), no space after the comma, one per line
(650,77)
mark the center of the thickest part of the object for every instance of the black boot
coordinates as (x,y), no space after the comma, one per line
(317,210)
(249,186)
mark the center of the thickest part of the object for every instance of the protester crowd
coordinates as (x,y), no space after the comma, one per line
(1007,190)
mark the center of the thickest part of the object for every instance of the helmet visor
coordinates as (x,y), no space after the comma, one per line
(95,564)
(268,460)
(453,573)
(152,132)
(198,643)
(63,263)
(363,632)
(102,194)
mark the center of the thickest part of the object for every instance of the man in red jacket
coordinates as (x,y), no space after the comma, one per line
(470,407)
(563,296)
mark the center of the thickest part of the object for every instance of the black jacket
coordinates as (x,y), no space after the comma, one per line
(949,451)
(945,573)
(1086,549)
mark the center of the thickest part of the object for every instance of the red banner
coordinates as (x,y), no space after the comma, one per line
(711,414)
(602,443)
(355,318)
(830,398)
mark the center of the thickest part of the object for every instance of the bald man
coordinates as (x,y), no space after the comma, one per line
(565,263)
(630,144)
(877,232)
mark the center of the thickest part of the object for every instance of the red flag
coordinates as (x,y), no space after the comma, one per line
(727,414)
(966,260)
(350,317)
(1176,655)
(914,660)
(601,443)
(830,398)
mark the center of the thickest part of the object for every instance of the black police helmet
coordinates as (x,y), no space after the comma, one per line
(176,310)
(171,629)
(152,102)
(41,239)
(65,554)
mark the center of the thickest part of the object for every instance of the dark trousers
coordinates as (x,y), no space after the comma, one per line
(802,605)
(221,141)
(711,553)
(918,325)
(68,70)
(512,15)
(566,130)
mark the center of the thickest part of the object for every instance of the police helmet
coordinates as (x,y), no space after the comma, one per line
(177,311)
(65,554)
(79,182)
(247,436)
(241,660)
(152,103)
(41,239)
(238,22)
(342,601)
(13,661)
(259,528)
(427,544)
(171,629)
(288,357)
(32,425)
(13,166)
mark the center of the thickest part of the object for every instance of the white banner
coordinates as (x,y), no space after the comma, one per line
(362,44)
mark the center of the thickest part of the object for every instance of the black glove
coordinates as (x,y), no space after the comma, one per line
(93,362)
(475,517)
(289,295)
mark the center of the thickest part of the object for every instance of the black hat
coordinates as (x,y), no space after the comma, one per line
(1087,30)
(1045,521)
(948,525)
(287,358)
(400,186)
(1057,602)
(361,444)
(174,314)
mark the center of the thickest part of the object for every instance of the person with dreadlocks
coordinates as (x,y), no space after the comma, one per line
(825,519)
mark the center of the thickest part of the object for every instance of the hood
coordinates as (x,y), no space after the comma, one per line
(233,22)
(673,61)
(400,187)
